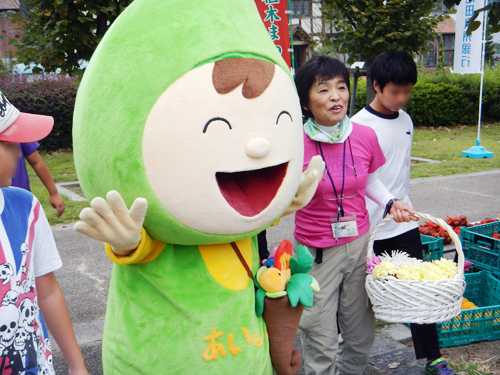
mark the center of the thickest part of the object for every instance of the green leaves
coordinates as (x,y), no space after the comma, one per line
(366,28)
(60,34)
(299,290)
(300,287)
(303,263)
(260,294)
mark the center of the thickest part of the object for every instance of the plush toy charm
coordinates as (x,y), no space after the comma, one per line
(188,115)
(283,289)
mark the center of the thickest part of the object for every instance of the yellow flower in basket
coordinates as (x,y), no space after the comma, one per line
(447,267)
(433,272)
(410,272)
(403,267)
(385,269)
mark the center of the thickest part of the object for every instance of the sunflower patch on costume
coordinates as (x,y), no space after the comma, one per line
(224,265)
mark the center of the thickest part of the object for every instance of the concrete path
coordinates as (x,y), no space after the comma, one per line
(86,272)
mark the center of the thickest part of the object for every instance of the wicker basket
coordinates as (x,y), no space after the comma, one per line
(419,301)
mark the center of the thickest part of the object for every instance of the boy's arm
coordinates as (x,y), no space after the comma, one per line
(43,173)
(55,314)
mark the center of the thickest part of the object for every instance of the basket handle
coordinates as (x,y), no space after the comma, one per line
(441,222)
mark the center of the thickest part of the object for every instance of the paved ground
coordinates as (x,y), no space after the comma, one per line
(86,272)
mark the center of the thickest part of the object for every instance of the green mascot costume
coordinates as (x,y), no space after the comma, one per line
(189,106)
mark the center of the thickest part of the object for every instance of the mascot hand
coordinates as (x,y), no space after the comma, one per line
(113,223)
(308,184)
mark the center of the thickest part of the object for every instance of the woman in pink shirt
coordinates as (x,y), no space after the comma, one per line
(334,225)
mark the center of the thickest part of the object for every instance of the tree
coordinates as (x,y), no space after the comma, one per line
(60,34)
(493,8)
(366,28)
(490,48)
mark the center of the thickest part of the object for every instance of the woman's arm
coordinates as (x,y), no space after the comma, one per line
(377,192)
(55,313)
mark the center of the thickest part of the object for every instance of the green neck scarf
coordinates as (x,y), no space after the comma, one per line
(329,134)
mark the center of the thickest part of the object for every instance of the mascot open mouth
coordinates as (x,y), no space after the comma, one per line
(250,192)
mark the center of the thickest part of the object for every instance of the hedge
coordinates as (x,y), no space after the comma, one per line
(446,99)
(52,96)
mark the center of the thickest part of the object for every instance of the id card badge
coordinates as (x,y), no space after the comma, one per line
(346,226)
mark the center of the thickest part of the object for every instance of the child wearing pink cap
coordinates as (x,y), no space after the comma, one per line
(31,299)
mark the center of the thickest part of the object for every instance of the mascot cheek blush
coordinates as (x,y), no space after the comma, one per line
(188,105)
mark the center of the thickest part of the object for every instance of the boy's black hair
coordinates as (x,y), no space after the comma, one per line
(397,67)
(319,67)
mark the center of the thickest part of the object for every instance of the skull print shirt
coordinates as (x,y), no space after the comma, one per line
(27,251)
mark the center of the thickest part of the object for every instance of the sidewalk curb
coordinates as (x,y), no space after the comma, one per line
(414,181)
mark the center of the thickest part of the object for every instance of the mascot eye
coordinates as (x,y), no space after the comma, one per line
(216,119)
(284,113)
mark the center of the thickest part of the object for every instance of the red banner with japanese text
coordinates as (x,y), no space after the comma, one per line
(275,18)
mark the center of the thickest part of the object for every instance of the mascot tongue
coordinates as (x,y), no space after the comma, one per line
(250,192)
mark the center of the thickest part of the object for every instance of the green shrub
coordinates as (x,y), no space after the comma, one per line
(51,96)
(441,104)
(360,94)
(446,99)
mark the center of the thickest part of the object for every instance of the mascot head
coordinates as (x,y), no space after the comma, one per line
(199,117)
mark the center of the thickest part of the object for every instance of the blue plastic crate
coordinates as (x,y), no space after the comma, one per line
(432,247)
(479,246)
(479,324)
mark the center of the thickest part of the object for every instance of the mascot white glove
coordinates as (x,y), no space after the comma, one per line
(308,184)
(113,223)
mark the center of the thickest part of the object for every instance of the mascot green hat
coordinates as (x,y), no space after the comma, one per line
(147,49)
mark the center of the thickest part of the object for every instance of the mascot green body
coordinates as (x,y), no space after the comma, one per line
(189,105)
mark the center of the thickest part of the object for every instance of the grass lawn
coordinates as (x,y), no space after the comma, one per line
(447,144)
(444,144)
(62,168)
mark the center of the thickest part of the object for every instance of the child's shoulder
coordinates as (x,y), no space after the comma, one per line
(17,195)
(403,114)
(361,115)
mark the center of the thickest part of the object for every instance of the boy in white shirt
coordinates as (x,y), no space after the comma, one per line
(393,75)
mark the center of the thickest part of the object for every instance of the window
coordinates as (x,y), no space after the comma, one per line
(301,8)
(429,58)
(449,48)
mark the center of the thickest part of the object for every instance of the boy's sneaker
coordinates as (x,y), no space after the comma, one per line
(438,367)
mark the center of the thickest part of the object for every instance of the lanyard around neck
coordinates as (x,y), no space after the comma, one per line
(337,198)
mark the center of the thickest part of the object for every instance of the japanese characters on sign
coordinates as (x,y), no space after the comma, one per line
(468,47)
(275,18)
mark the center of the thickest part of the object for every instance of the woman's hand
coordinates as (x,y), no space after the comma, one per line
(401,212)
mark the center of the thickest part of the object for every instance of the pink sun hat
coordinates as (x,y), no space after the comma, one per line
(20,127)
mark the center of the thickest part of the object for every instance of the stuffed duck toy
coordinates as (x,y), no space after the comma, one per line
(188,142)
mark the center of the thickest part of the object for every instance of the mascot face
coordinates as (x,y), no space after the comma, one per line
(233,157)
(200,118)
